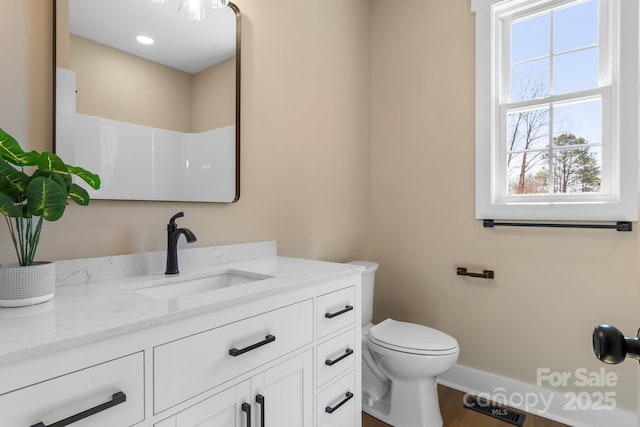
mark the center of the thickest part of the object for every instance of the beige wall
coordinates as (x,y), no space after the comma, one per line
(213,94)
(117,85)
(551,287)
(305,166)
(63,39)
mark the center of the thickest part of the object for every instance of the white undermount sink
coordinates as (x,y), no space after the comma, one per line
(180,287)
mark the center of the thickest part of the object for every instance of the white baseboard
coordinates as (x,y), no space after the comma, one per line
(533,399)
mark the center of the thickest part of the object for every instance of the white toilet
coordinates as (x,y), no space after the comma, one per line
(400,364)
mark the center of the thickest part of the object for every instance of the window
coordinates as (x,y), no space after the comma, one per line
(556,109)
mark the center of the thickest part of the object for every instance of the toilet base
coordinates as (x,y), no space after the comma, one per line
(379,409)
(422,411)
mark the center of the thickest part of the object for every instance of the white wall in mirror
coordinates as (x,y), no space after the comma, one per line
(138,162)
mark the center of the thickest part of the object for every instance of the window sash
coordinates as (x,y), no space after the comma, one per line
(608,150)
(531,9)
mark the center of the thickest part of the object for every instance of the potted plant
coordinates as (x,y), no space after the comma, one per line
(33,187)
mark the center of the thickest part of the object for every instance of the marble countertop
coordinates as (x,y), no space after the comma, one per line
(92,301)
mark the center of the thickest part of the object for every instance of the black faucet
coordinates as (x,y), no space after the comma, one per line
(173,234)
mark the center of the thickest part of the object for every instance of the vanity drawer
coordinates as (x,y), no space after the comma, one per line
(115,389)
(169,422)
(192,365)
(336,405)
(336,310)
(335,357)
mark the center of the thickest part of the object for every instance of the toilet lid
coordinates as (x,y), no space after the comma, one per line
(411,337)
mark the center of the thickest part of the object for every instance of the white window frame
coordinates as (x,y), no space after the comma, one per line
(618,199)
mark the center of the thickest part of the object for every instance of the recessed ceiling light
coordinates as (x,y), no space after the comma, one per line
(144,39)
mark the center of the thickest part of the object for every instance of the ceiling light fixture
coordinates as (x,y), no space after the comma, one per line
(215,4)
(193,9)
(196,10)
(144,39)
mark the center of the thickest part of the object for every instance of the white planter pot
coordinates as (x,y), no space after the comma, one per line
(27,285)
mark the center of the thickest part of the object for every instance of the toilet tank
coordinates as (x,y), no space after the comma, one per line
(368,283)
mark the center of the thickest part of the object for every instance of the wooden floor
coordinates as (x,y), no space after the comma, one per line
(455,415)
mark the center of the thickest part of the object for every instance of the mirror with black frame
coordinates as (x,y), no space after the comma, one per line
(149,98)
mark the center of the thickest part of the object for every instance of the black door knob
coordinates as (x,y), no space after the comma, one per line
(611,346)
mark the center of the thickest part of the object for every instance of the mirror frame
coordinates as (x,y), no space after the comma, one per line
(236,10)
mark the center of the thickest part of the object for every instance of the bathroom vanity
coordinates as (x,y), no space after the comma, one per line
(240,338)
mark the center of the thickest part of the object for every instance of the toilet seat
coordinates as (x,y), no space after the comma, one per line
(412,338)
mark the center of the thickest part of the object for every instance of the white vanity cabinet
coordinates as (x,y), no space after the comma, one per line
(280,396)
(289,357)
(295,392)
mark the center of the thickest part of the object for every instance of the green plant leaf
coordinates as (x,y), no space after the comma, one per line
(51,161)
(46,198)
(79,195)
(8,189)
(55,165)
(62,179)
(14,177)
(8,207)
(11,151)
(90,178)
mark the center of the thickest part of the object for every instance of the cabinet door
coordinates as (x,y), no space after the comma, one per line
(283,395)
(222,410)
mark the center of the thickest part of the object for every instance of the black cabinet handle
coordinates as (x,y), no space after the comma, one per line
(347,353)
(246,408)
(237,352)
(338,313)
(330,410)
(116,399)
(260,401)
